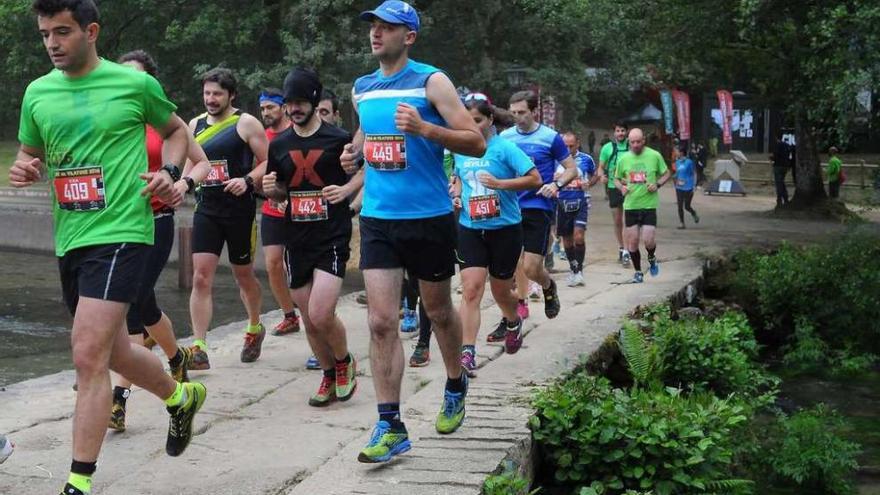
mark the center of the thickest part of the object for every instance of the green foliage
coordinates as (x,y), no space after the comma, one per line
(805,450)
(509,483)
(641,356)
(641,439)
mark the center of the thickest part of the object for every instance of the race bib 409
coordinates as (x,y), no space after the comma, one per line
(80,189)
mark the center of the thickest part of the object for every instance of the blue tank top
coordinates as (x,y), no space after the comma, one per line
(405,178)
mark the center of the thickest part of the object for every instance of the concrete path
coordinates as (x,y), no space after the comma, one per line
(256,435)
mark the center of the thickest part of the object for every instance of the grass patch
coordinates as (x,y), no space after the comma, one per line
(7,156)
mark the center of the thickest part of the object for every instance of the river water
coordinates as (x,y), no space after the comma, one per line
(35,326)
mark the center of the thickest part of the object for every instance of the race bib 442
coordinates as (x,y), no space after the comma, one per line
(80,189)
(307,206)
(385,152)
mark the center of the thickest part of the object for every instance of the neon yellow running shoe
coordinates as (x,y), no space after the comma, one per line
(385,444)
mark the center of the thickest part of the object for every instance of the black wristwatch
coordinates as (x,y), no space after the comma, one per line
(249,181)
(190,184)
(172,170)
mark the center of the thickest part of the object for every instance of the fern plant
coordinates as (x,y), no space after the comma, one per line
(641,355)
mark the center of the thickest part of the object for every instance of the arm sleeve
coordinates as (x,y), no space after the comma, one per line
(605,154)
(274,165)
(28,132)
(589,166)
(558,149)
(661,165)
(519,160)
(619,170)
(157,107)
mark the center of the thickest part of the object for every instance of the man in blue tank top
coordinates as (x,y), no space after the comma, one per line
(409,112)
(546,148)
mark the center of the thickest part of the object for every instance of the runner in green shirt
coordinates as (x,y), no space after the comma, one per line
(608,158)
(834,169)
(83,127)
(640,174)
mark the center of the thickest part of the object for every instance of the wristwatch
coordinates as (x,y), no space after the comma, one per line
(190,184)
(172,170)
(249,181)
(559,184)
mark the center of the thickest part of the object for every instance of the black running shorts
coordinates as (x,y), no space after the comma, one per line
(111,272)
(640,218)
(239,234)
(424,247)
(536,225)
(498,250)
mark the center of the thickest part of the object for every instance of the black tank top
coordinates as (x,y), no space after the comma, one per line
(227,151)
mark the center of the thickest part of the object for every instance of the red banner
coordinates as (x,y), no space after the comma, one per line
(725,102)
(683,112)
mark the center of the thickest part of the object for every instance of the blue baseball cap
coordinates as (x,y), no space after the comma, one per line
(394,12)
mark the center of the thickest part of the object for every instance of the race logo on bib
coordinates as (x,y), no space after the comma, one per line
(386,152)
(80,189)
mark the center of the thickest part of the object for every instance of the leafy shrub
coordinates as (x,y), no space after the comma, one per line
(508,483)
(639,439)
(808,352)
(806,451)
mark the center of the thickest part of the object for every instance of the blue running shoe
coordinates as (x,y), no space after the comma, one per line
(410,322)
(312,363)
(384,444)
(638,278)
(452,413)
(654,269)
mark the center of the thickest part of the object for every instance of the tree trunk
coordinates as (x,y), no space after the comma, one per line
(809,188)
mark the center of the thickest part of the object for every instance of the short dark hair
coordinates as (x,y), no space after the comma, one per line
(330,95)
(84,12)
(482,106)
(529,97)
(274,92)
(143,58)
(224,77)
(620,124)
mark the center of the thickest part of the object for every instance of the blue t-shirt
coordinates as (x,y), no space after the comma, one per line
(586,168)
(684,174)
(545,147)
(503,160)
(405,178)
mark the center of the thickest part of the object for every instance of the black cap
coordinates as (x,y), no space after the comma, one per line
(302,84)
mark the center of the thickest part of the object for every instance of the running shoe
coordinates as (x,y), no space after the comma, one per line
(513,339)
(253,345)
(469,363)
(361,298)
(654,267)
(579,280)
(117,416)
(70,490)
(326,394)
(179,372)
(561,253)
(696,217)
(570,280)
(180,425)
(551,301)
(6,448)
(681,227)
(452,413)
(625,259)
(385,444)
(499,333)
(410,322)
(638,278)
(199,359)
(421,356)
(522,310)
(312,363)
(287,326)
(346,379)
(534,291)
(549,261)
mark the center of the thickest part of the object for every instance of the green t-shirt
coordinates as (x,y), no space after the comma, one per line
(605,156)
(92,131)
(637,171)
(834,165)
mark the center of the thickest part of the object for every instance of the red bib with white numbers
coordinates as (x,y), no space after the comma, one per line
(307,206)
(80,189)
(638,177)
(385,152)
(484,207)
(218,175)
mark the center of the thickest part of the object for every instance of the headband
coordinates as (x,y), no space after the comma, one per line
(276,99)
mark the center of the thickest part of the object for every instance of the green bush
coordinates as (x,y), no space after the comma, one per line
(834,287)
(509,483)
(640,439)
(712,355)
(805,450)
(807,352)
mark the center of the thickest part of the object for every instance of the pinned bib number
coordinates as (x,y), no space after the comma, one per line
(638,177)
(307,206)
(681,182)
(385,152)
(484,207)
(570,206)
(218,175)
(80,189)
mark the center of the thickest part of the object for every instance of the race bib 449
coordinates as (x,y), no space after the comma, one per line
(80,189)
(385,152)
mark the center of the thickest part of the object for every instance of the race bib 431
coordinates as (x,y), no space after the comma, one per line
(307,206)
(80,189)
(218,175)
(385,152)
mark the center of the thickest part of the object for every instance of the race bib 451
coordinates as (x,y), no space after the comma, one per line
(80,189)
(484,207)
(385,152)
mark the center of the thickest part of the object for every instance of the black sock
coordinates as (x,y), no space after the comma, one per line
(511,325)
(651,254)
(345,360)
(580,253)
(83,468)
(177,359)
(120,395)
(455,385)
(331,373)
(636,258)
(572,259)
(521,301)
(390,412)
(292,314)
